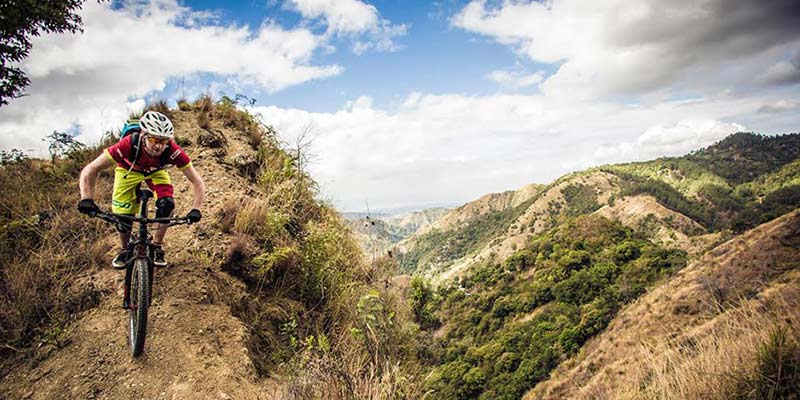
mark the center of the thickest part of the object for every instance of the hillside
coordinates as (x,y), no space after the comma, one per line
(378,233)
(703,327)
(657,279)
(547,299)
(674,199)
(268,297)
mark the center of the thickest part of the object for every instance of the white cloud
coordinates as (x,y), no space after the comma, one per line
(616,47)
(453,148)
(516,79)
(782,105)
(353,18)
(675,140)
(87,79)
(339,15)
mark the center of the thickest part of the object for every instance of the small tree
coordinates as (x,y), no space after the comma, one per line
(19,21)
(62,144)
(12,156)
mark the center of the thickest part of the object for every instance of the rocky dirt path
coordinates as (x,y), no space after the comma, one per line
(195,348)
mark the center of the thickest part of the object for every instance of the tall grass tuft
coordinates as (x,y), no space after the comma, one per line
(750,352)
(205,106)
(160,106)
(44,243)
(184,105)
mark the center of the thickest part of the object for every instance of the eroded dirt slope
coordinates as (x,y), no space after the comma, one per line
(195,349)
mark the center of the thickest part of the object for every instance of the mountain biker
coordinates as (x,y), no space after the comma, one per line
(157,151)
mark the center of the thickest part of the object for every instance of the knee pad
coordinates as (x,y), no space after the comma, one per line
(124,226)
(164,207)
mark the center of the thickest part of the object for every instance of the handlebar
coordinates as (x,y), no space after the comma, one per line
(115,218)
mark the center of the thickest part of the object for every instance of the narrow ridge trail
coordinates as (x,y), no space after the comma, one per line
(195,347)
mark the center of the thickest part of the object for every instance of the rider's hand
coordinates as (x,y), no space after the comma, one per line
(88,207)
(194,215)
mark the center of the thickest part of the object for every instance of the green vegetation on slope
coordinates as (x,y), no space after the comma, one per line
(738,183)
(436,248)
(743,157)
(508,325)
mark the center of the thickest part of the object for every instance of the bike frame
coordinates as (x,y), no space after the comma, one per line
(140,247)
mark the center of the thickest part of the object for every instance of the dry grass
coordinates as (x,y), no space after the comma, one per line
(748,352)
(227,215)
(43,246)
(160,106)
(204,105)
(184,105)
(373,359)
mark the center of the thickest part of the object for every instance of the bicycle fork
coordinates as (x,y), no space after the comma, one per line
(141,252)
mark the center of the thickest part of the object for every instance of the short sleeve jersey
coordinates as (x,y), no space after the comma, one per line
(122,151)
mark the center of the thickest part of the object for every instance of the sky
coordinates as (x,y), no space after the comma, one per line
(407,105)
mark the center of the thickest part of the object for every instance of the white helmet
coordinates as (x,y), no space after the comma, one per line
(157,124)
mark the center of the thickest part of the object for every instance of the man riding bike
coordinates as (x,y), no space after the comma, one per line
(142,155)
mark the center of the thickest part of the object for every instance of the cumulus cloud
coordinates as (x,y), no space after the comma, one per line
(615,47)
(783,72)
(515,79)
(352,18)
(453,148)
(128,52)
(675,140)
(779,106)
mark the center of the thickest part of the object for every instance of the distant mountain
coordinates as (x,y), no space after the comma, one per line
(378,233)
(736,184)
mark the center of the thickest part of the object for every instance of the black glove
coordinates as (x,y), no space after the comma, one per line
(194,215)
(88,207)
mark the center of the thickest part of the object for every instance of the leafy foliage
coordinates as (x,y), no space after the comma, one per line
(742,157)
(421,298)
(19,21)
(13,156)
(511,323)
(580,199)
(62,144)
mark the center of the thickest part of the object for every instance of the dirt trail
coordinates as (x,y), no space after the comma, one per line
(195,348)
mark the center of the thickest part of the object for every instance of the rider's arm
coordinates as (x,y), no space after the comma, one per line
(197,184)
(89,174)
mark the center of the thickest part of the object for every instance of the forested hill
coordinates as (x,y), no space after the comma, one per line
(742,181)
(542,298)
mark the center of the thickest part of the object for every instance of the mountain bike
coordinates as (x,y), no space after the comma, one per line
(139,267)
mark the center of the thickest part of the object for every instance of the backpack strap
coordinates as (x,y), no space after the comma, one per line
(136,150)
(136,147)
(164,158)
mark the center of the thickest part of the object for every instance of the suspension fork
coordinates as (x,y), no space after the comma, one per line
(141,247)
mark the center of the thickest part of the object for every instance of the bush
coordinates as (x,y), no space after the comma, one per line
(44,245)
(160,106)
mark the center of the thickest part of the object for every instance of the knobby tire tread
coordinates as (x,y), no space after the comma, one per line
(138,317)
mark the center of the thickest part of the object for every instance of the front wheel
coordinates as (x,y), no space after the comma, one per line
(140,300)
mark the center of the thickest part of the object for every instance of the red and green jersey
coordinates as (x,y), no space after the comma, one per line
(122,153)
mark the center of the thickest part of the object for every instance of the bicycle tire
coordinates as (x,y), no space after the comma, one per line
(140,301)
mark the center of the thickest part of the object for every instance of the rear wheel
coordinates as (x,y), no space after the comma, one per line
(140,300)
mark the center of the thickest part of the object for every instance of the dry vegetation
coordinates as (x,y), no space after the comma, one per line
(317,311)
(710,332)
(317,314)
(749,352)
(46,248)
